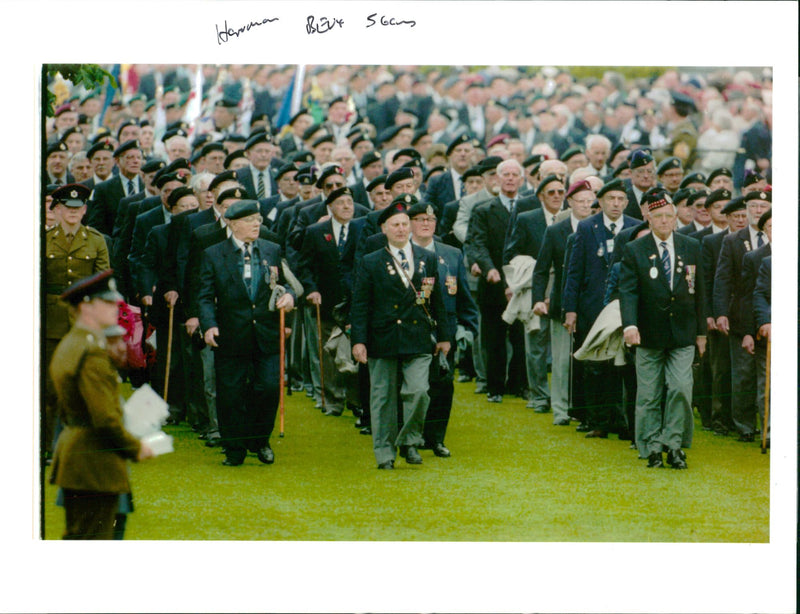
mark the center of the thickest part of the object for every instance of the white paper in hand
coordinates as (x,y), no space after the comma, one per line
(145,412)
(160,443)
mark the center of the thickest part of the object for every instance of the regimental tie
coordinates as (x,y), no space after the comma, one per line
(760,236)
(463,187)
(130,188)
(342,239)
(665,263)
(260,190)
(612,227)
(249,277)
(403,260)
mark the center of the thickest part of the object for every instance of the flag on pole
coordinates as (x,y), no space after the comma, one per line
(195,107)
(293,98)
(110,92)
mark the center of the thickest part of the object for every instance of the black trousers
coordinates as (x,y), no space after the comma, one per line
(494,332)
(247,400)
(719,358)
(441,403)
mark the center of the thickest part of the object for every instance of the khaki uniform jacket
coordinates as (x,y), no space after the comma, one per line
(91,450)
(64,264)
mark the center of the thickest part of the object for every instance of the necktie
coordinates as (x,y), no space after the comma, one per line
(249,277)
(130,187)
(403,260)
(760,242)
(69,236)
(260,189)
(463,187)
(612,227)
(665,262)
(553,219)
(342,239)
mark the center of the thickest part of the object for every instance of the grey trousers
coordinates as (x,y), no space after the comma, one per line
(762,383)
(312,349)
(383,403)
(210,390)
(654,368)
(537,345)
(559,379)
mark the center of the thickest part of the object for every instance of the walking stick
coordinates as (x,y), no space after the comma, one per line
(169,351)
(766,406)
(282,357)
(319,351)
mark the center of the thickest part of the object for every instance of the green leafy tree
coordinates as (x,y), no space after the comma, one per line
(88,75)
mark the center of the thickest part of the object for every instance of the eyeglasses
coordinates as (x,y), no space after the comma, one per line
(333,185)
(424,220)
(554,192)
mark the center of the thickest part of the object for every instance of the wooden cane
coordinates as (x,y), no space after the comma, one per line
(281,369)
(319,350)
(766,405)
(169,351)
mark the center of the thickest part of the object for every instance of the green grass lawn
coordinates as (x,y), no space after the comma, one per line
(512,477)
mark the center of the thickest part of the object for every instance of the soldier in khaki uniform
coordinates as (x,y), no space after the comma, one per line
(72,252)
(682,132)
(89,462)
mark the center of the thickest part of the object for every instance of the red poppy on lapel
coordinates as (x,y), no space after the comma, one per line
(328,237)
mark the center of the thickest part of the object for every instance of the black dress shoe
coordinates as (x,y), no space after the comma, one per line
(597,435)
(655,460)
(230,462)
(440,450)
(746,437)
(562,422)
(266,455)
(334,411)
(213,442)
(494,398)
(357,411)
(583,428)
(367,430)
(386,465)
(411,455)
(677,459)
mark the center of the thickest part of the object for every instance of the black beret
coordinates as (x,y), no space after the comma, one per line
(178,125)
(751,177)
(102,133)
(570,152)
(399,175)
(361,138)
(125,124)
(311,130)
(697,195)
(223,176)
(681,195)
(286,168)
(337,99)
(260,137)
(718,195)
(387,134)
(640,158)
(736,204)
(379,180)
(337,193)
(163,178)
(472,171)
(102,145)
(760,195)
(616,185)
(398,205)
(177,194)
(437,169)
(126,146)
(693,178)
(545,181)
(533,160)
(181,132)
(621,167)
(56,147)
(68,132)
(241,209)
(767,215)
(333,169)
(239,153)
(617,148)
(421,208)
(177,164)
(459,140)
(199,140)
(71,195)
(302,156)
(235,137)
(239,193)
(305,178)
(489,164)
(215,146)
(667,164)
(297,116)
(413,163)
(100,285)
(718,172)
(408,151)
(418,135)
(151,166)
(370,158)
(326,138)
(683,103)
(226,103)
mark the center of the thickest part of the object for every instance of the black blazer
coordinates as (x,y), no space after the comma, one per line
(245,325)
(762,295)
(102,206)
(526,235)
(321,269)
(440,191)
(144,223)
(710,247)
(751,263)
(385,315)
(666,318)
(245,177)
(551,254)
(728,286)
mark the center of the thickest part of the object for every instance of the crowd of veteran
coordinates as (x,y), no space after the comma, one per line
(597,246)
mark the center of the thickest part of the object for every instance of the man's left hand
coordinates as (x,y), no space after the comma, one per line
(442,346)
(286,302)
